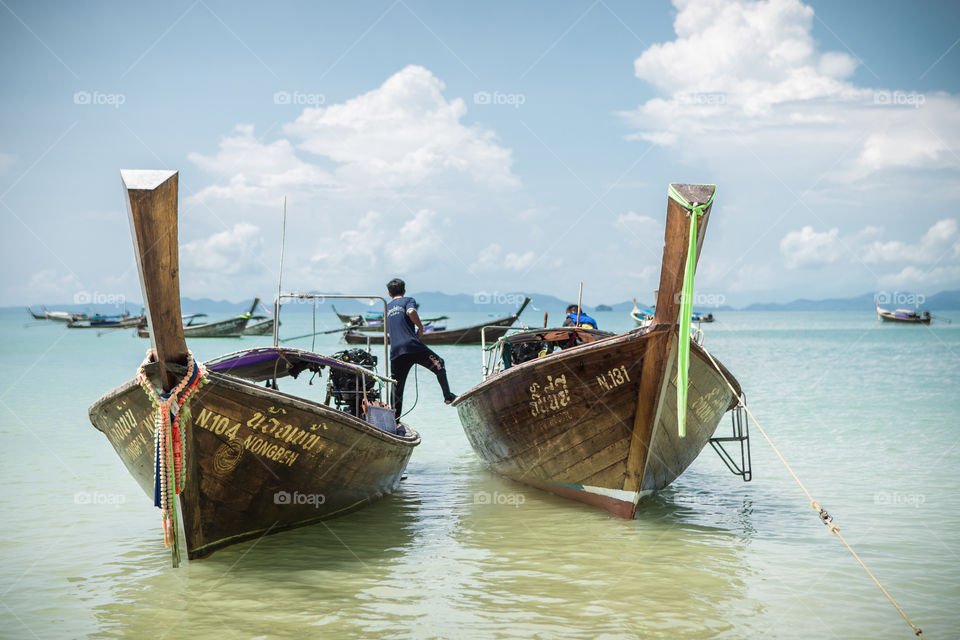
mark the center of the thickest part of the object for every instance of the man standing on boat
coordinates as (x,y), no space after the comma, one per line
(406,349)
(577,318)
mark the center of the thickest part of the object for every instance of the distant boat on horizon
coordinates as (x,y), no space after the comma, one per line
(229,328)
(643,317)
(908,316)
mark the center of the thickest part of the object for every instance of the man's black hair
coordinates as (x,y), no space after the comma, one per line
(572,308)
(396,287)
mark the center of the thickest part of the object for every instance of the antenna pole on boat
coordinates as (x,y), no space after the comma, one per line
(579,300)
(276,304)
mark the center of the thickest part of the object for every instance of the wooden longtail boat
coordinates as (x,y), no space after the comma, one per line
(641,317)
(229,328)
(596,420)
(464,336)
(254,460)
(36,316)
(64,316)
(359,323)
(102,322)
(909,316)
(262,327)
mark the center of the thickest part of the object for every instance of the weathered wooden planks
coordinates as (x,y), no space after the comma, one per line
(597,422)
(151,198)
(248,450)
(255,460)
(582,437)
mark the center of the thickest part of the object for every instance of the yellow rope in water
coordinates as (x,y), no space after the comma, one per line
(825,517)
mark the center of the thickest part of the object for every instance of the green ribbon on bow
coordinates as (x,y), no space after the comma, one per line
(694,210)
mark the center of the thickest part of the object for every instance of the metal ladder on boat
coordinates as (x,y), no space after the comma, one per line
(740,424)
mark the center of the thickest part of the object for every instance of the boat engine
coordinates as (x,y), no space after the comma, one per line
(348,389)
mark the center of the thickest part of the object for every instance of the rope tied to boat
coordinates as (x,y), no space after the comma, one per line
(695,211)
(825,517)
(170,410)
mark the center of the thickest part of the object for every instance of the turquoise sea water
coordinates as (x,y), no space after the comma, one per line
(867,415)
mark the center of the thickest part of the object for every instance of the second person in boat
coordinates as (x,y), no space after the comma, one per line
(577,318)
(404,329)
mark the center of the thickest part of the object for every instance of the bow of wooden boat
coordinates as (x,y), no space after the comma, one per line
(598,422)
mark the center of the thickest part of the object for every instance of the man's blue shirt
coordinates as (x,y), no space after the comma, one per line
(402,331)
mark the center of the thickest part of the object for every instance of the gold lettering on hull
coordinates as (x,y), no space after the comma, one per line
(270,427)
(135,447)
(549,397)
(708,405)
(613,378)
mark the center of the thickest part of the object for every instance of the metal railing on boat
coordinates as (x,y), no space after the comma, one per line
(485,362)
(337,296)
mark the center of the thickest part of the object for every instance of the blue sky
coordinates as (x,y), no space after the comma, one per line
(484,148)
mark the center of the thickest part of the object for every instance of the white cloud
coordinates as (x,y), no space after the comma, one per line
(809,248)
(640,230)
(416,244)
(492,258)
(912,278)
(929,263)
(746,73)
(941,241)
(49,284)
(256,171)
(403,134)
(378,244)
(227,253)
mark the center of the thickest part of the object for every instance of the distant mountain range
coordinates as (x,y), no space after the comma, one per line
(501,303)
(943,301)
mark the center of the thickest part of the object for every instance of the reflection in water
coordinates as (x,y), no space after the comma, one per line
(455,548)
(458,552)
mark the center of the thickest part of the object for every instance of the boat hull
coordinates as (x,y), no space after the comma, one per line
(257,461)
(890,317)
(262,328)
(466,336)
(231,328)
(568,423)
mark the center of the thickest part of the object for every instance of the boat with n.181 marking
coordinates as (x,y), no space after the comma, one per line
(218,444)
(608,419)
